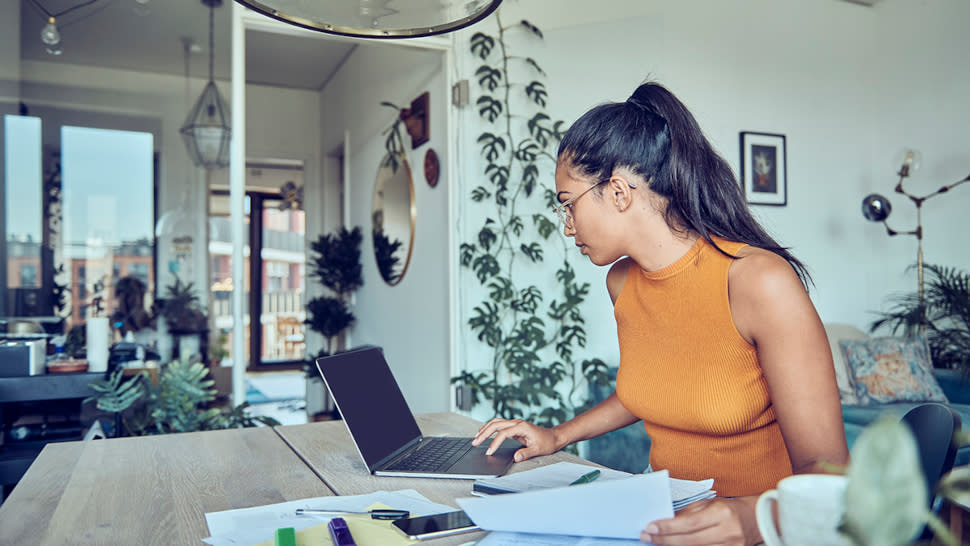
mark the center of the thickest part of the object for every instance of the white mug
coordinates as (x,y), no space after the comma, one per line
(810,508)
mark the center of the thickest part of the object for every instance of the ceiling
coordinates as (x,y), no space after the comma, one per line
(148,36)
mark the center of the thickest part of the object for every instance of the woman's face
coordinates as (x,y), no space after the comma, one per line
(588,216)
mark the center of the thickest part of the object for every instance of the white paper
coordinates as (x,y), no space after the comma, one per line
(259,523)
(525,539)
(612,508)
(544,477)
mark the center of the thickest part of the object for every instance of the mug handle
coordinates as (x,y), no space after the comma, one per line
(766,520)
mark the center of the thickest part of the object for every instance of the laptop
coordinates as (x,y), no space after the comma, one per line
(384,430)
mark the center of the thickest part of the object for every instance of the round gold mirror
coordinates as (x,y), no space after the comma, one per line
(393,217)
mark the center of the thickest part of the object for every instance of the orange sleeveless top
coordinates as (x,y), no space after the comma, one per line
(696,383)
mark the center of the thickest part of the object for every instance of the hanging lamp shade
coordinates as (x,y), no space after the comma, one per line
(377,18)
(206,130)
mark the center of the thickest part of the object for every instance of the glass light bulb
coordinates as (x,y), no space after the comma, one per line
(909,160)
(49,34)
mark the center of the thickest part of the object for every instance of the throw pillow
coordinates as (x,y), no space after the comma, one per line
(891,369)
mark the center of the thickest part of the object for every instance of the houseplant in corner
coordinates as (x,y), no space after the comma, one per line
(530,331)
(335,262)
(944,316)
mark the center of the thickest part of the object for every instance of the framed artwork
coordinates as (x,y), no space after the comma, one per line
(764,168)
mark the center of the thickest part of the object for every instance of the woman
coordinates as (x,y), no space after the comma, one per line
(722,354)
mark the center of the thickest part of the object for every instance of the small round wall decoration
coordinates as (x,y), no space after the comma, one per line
(432,167)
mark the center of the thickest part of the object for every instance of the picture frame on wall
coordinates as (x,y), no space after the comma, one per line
(764,168)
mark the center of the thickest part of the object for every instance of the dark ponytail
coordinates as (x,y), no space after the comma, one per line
(655,136)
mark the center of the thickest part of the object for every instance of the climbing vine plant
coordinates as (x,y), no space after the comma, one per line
(532,331)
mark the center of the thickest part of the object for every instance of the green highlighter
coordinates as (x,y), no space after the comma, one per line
(586,478)
(286,536)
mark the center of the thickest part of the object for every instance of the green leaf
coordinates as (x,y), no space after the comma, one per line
(537,92)
(528,151)
(531,62)
(489,108)
(498,174)
(488,77)
(529,300)
(500,289)
(544,225)
(492,145)
(482,44)
(485,321)
(531,28)
(485,266)
(557,130)
(886,496)
(538,131)
(515,224)
(466,252)
(486,237)
(533,251)
(530,176)
(480,193)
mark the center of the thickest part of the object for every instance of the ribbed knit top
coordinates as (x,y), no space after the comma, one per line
(696,383)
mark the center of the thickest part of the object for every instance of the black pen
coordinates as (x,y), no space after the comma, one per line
(379,513)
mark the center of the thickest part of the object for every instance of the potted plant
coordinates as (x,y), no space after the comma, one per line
(179,401)
(335,262)
(183,315)
(944,315)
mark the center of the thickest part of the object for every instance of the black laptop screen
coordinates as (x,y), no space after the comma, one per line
(370,402)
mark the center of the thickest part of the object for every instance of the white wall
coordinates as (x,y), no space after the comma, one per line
(848,85)
(409,320)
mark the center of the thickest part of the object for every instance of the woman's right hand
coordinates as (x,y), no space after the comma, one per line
(537,440)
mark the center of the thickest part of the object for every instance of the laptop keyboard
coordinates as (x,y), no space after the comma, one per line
(437,454)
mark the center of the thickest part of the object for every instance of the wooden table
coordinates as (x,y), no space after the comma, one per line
(328,449)
(157,489)
(150,489)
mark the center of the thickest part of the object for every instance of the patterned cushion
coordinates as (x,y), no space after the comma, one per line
(891,369)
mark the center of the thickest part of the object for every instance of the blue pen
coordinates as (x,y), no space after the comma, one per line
(586,478)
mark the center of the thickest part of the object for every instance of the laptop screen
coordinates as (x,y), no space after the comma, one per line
(370,402)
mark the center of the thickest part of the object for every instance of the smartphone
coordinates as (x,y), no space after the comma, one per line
(435,525)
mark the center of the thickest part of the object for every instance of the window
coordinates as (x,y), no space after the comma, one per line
(28,275)
(79,211)
(274,265)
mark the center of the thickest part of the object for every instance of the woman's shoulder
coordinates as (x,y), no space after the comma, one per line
(761,275)
(616,277)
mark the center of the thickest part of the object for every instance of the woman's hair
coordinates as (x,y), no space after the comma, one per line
(654,135)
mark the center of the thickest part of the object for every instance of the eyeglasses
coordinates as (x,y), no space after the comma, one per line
(564,209)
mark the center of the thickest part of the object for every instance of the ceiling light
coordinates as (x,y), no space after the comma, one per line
(206,130)
(50,35)
(377,18)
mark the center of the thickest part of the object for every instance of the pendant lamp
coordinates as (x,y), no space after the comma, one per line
(206,130)
(377,18)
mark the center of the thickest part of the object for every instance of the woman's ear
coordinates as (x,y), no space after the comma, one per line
(621,192)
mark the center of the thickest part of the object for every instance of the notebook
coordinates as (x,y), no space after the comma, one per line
(384,430)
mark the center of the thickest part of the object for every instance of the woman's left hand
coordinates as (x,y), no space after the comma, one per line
(713,521)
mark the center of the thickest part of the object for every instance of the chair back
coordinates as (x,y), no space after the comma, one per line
(934,425)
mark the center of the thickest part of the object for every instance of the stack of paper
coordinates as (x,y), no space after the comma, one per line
(619,508)
(257,525)
(682,492)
